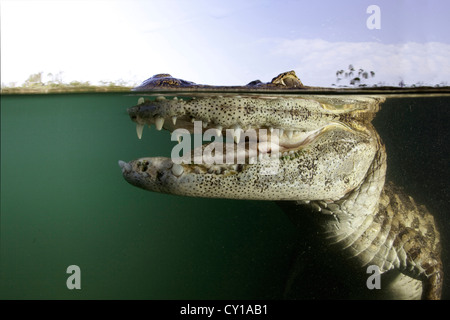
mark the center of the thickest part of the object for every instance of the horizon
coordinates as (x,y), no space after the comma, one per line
(231,43)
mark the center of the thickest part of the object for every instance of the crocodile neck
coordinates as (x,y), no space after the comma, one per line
(378,224)
(344,222)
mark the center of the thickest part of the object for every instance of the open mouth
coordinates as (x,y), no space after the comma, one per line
(256,147)
(233,140)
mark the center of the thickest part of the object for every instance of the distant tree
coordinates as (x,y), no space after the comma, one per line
(34,80)
(350,74)
(55,79)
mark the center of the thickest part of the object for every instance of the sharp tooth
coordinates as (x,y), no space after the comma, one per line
(141,100)
(219,131)
(175,98)
(271,129)
(177,169)
(237,133)
(174,119)
(315,206)
(252,160)
(237,136)
(280,132)
(289,134)
(160,98)
(139,129)
(197,170)
(260,157)
(204,124)
(159,121)
(124,166)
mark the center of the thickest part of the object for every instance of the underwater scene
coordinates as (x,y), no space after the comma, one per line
(66,206)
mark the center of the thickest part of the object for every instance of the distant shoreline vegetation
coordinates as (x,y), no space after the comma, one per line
(356,79)
(36,84)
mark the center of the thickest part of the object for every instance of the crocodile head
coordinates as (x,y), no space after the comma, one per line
(280,146)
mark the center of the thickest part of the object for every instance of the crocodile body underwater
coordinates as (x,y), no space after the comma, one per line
(318,152)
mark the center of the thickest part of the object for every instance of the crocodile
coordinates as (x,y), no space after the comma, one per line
(314,151)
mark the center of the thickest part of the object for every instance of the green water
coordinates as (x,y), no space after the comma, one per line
(64,202)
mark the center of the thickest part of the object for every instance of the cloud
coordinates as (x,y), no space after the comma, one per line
(317,60)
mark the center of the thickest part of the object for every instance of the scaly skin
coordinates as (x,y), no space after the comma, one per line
(330,159)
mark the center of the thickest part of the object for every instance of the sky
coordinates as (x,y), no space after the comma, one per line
(228,42)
